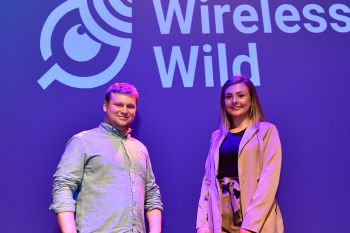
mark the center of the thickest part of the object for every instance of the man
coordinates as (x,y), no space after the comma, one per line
(110,174)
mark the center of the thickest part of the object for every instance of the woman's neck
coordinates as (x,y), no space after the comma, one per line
(240,124)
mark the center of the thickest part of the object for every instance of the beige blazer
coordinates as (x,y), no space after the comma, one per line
(259,166)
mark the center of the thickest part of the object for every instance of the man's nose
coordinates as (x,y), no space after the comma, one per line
(124,109)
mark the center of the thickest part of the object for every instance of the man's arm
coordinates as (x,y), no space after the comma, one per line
(153,202)
(66,222)
(66,180)
(154,218)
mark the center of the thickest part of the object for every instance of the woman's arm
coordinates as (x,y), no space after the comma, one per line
(264,195)
(202,212)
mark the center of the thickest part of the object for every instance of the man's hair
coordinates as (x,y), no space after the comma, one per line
(255,113)
(122,88)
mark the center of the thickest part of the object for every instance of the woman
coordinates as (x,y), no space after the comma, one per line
(243,167)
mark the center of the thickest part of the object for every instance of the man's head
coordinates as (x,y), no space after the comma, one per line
(120,106)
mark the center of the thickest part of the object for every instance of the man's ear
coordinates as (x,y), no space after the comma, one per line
(105,106)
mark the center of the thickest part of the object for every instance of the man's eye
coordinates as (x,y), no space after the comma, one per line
(131,106)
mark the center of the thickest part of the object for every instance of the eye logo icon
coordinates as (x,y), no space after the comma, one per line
(94,49)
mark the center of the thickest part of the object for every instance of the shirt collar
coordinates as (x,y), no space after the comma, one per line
(110,129)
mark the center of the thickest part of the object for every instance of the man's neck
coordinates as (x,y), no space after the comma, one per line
(121,130)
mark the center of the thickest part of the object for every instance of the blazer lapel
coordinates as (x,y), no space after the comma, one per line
(248,134)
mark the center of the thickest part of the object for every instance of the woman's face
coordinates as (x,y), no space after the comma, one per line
(237,101)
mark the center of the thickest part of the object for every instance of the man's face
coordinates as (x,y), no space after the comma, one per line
(120,111)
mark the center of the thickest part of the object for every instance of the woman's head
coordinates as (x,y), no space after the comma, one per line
(238,99)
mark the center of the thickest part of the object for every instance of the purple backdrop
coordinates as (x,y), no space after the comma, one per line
(299,53)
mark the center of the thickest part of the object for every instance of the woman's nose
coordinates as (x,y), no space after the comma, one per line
(234,99)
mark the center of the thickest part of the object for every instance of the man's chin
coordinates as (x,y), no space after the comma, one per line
(120,125)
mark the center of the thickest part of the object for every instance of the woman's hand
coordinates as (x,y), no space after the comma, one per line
(203,230)
(244,231)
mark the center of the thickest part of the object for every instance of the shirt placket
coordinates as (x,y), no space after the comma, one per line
(133,185)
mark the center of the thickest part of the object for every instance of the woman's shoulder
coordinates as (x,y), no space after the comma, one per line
(266,125)
(215,134)
(267,128)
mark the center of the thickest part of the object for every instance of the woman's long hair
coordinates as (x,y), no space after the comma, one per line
(256,113)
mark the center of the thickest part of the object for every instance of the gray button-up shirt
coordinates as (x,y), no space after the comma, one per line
(113,180)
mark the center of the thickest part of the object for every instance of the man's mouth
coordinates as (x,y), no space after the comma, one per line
(123,117)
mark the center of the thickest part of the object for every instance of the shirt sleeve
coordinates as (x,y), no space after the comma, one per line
(68,176)
(152,197)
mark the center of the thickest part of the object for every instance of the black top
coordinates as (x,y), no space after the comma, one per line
(228,155)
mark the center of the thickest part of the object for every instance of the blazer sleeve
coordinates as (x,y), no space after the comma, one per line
(264,195)
(202,212)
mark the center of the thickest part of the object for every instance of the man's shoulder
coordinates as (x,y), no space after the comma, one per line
(137,145)
(87,134)
(136,142)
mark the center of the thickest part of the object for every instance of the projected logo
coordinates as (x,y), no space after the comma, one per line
(86,42)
